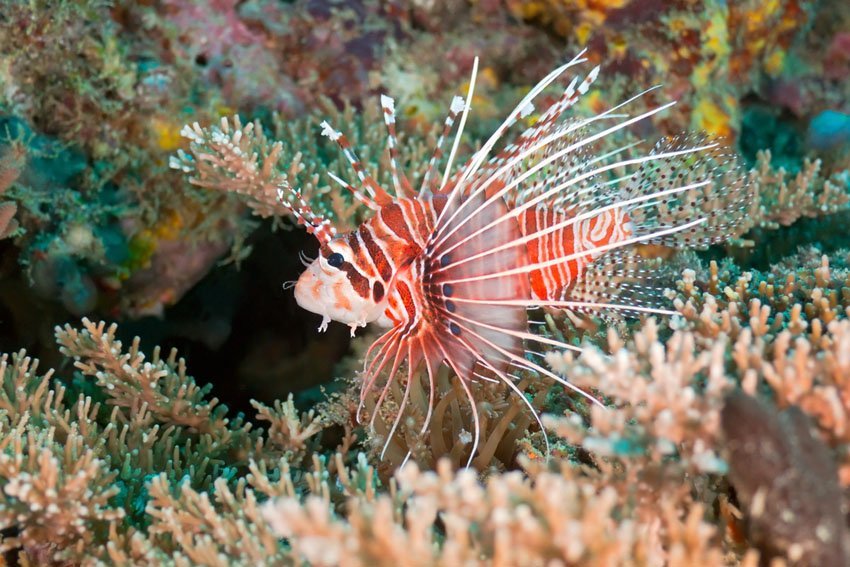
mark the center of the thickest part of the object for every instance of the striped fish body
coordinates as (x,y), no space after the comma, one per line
(380,257)
(567,249)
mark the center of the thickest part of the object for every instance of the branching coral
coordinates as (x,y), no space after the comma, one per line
(780,200)
(170,476)
(56,491)
(662,437)
(158,388)
(448,518)
(12,161)
(241,159)
(76,475)
(367,133)
(237,159)
(673,394)
(790,333)
(658,443)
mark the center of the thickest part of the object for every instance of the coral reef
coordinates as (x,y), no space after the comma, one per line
(780,200)
(669,432)
(106,462)
(726,438)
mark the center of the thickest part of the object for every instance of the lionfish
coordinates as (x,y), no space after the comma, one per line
(452,269)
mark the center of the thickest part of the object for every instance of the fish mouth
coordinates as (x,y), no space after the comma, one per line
(306,295)
(315,294)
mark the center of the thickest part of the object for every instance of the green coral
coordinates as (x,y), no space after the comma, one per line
(79,469)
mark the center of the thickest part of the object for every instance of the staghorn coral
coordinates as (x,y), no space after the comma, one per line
(663,437)
(671,395)
(76,474)
(791,335)
(159,388)
(562,517)
(780,200)
(54,489)
(367,134)
(641,482)
(241,159)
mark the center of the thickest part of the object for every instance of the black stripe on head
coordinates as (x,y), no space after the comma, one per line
(357,280)
(378,256)
(378,292)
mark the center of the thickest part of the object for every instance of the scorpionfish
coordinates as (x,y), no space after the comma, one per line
(452,268)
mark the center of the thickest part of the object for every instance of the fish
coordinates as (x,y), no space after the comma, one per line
(542,218)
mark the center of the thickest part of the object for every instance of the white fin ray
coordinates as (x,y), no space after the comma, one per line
(468,104)
(590,251)
(453,223)
(520,110)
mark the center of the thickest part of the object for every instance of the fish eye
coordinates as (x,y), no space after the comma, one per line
(335,260)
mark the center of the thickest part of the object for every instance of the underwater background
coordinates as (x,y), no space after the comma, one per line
(727,438)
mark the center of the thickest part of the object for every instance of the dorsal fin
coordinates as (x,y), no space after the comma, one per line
(400,183)
(371,186)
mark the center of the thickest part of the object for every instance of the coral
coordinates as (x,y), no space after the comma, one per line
(127,458)
(505,419)
(561,517)
(66,74)
(708,55)
(780,200)
(577,18)
(790,333)
(367,133)
(12,161)
(195,488)
(54,488)
(95,124)
(671,395)
(727,434)
(661,438)
(241,159)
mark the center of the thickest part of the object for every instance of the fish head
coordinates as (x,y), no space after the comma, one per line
(338,288)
